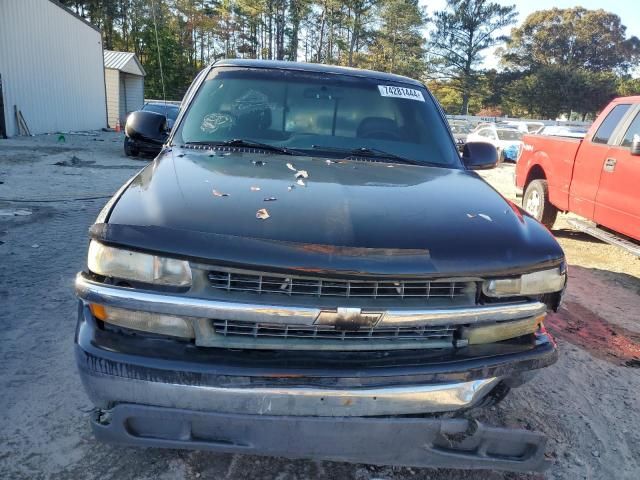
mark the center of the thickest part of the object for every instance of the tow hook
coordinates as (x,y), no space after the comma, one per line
(103,417)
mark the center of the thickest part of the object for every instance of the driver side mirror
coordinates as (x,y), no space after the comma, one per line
(635,146)
(148,127)
(479,156)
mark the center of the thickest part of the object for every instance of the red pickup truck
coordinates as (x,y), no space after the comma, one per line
(597,177)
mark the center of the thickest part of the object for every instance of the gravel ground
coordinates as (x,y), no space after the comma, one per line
(587,403)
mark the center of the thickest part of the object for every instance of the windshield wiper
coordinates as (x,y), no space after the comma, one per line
(239,142)
(371,152)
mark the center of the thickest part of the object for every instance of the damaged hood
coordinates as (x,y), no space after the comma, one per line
(348,216)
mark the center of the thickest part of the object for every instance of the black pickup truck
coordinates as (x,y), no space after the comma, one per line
(309,268)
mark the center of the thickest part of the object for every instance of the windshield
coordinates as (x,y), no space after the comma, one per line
(509,134)
(170,111)
(318,114)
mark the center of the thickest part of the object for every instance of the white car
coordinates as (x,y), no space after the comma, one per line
(523,126)
(508,141)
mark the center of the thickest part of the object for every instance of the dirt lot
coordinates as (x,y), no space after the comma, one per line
(50,192)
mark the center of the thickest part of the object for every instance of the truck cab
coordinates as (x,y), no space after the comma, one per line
(596,177)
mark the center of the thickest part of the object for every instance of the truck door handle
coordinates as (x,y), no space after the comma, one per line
(610,164)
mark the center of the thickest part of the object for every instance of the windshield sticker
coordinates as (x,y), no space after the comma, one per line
(400,92)
(215,121)
(250,102)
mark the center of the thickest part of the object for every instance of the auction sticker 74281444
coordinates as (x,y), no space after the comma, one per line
(400,92)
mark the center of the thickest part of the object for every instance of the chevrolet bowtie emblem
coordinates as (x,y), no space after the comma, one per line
(348,318)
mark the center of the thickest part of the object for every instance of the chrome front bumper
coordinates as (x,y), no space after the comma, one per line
(294,401)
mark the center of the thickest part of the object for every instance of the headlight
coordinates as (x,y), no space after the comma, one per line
(536,283)
(136,266)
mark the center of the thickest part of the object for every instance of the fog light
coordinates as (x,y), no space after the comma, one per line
(501,331)
(145,321)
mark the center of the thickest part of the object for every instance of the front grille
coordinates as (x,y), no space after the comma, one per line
(263,283)
(230,328)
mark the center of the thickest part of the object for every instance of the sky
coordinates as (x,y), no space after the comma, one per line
(627,10)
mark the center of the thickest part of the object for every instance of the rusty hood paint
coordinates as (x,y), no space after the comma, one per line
(348,216)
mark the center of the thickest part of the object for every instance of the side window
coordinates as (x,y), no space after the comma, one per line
(610,123)
(634,131)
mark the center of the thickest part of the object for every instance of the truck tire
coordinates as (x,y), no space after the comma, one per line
(535,202)
(129,151)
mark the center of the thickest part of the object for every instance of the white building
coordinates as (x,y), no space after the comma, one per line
(51,68)
(124,78)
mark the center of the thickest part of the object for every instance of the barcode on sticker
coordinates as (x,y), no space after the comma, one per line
(400,92)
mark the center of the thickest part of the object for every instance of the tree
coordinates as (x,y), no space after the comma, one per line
(576,38)
(550,91)
(597,89)
(628,86)
(398,45)
(359,15)
(462,31)
(543,93)
(566,61)
(448,97)
(298,11)
(384,34)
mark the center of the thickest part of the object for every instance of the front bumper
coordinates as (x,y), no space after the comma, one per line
(118,368)
(145,147)
(361,406)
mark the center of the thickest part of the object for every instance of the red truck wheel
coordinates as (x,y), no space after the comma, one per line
(536,203)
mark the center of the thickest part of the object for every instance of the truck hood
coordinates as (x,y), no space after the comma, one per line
(325,216)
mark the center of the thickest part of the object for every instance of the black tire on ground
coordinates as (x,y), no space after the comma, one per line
(501,158)
(535,201)
(129,151)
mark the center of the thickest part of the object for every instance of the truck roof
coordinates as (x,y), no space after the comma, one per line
(315,67)
(632,99)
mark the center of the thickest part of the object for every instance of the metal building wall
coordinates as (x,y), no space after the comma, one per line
(123,99)
(52,68)
(113,95)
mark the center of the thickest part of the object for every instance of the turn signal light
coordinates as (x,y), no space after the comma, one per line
(172,325)
(501,331)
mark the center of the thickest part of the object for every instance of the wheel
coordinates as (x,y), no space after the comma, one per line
(500,158)
(536,203)
(129,150)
